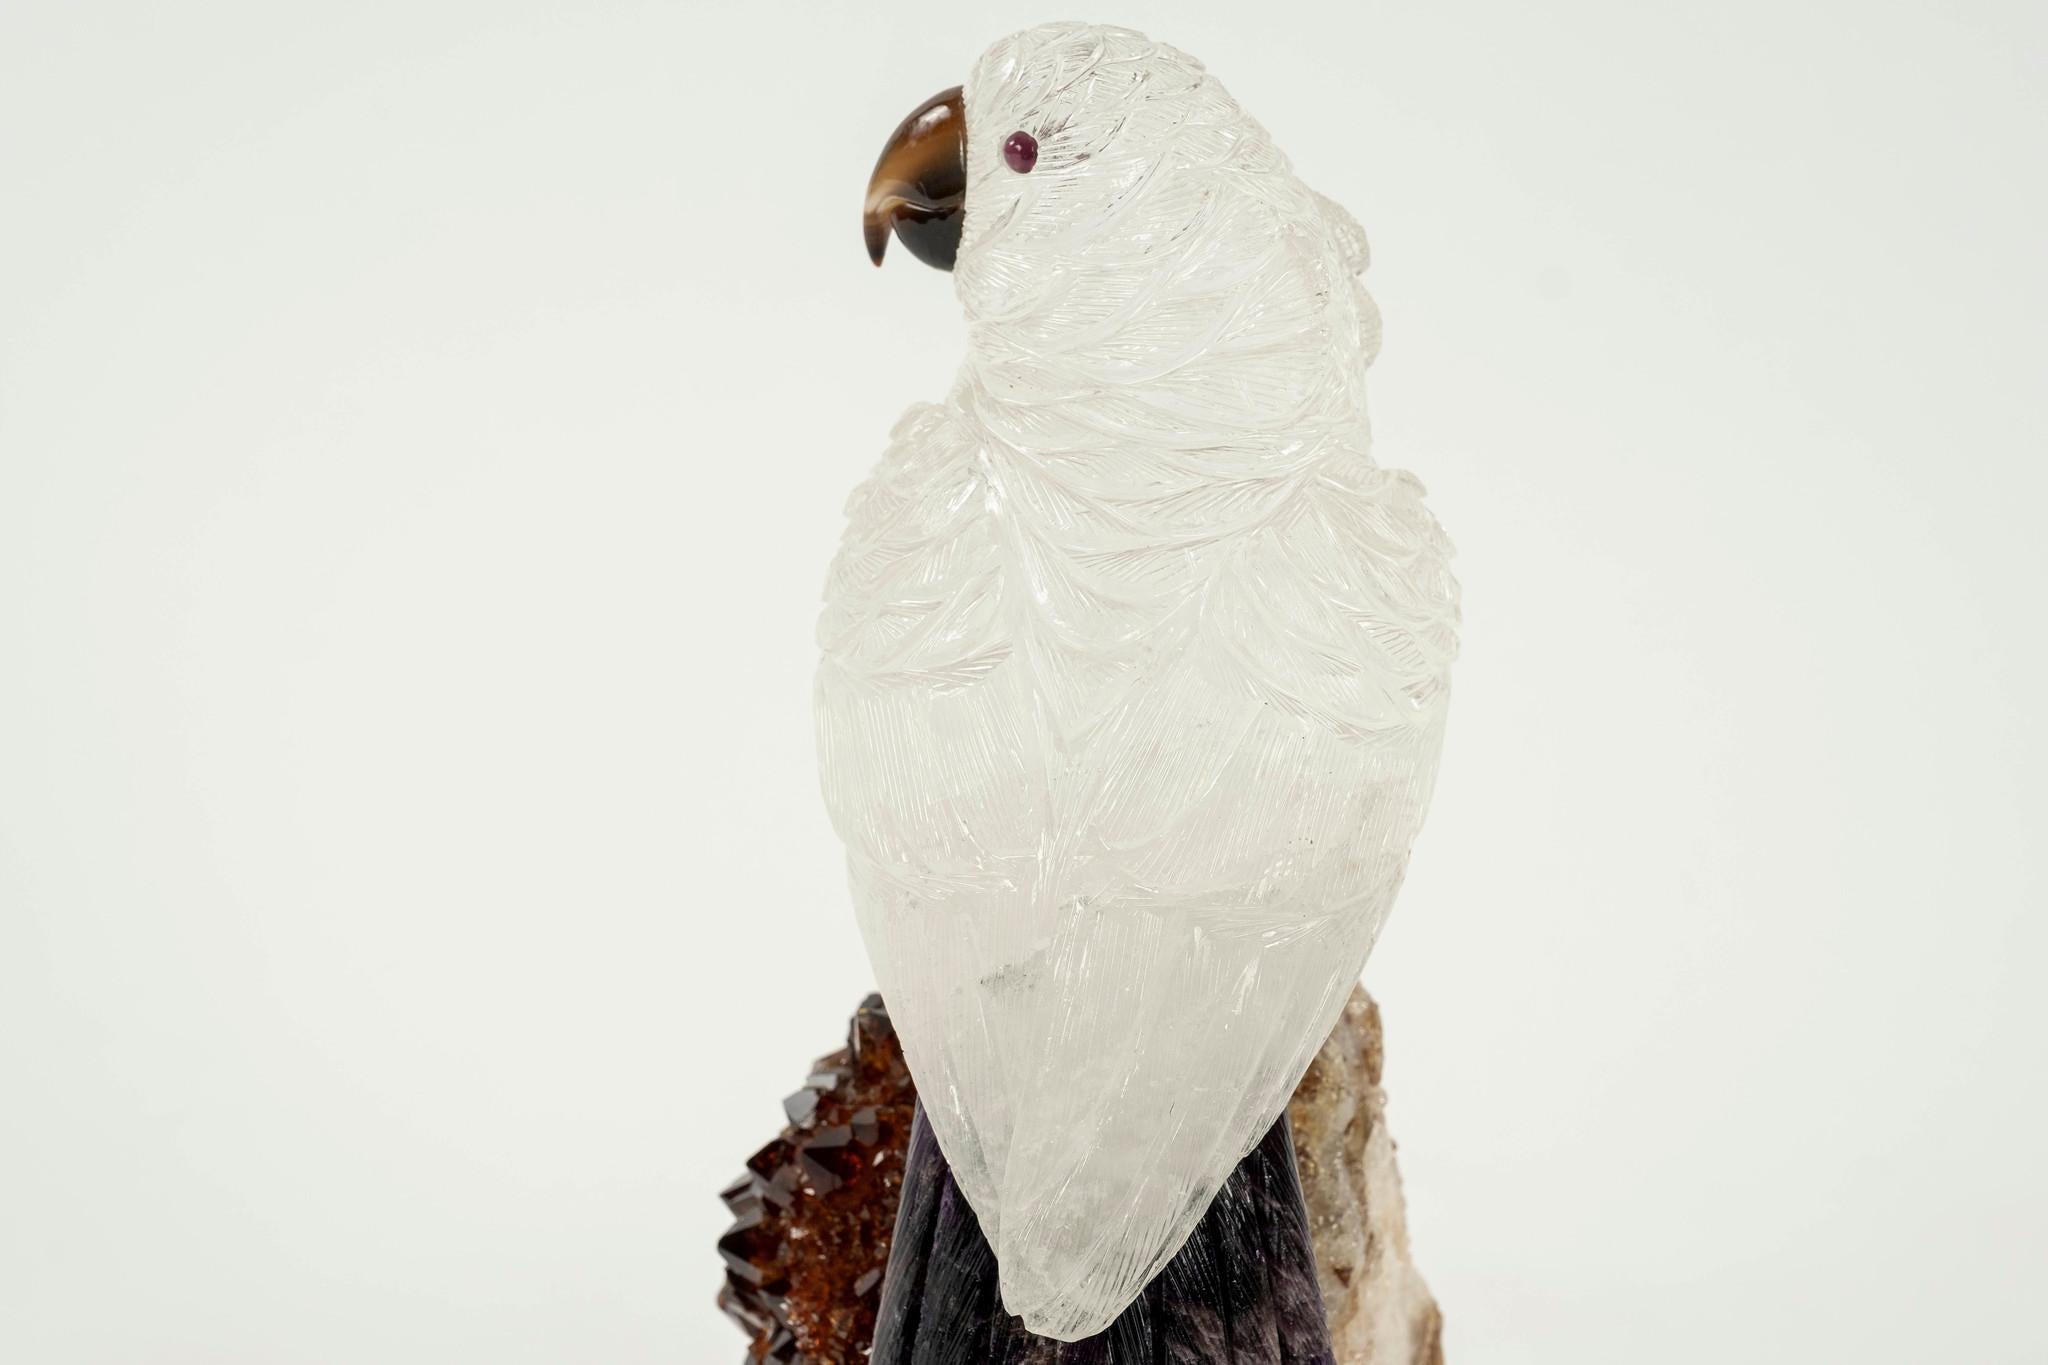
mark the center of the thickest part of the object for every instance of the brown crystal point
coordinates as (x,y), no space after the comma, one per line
(814,1211)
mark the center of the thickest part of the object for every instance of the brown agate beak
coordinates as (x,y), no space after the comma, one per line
(920,183)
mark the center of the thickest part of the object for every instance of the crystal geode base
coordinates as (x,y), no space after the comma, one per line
(815,1214)
(1242,1289)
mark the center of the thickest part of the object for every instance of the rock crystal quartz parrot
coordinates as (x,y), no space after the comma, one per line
(1135,665)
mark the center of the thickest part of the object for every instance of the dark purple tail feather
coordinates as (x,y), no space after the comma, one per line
(1242,1291)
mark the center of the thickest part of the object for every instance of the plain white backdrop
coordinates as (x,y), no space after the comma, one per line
(423,429)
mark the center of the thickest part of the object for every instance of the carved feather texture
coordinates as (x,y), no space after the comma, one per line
(1135,667)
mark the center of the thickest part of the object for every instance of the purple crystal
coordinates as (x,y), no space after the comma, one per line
(1242,1291)
(1020,152)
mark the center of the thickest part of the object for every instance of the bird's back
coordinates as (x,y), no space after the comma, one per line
(1127,717)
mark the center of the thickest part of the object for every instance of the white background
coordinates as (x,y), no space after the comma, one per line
(423,429)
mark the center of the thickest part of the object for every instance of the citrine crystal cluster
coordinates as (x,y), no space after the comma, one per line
(814,1212)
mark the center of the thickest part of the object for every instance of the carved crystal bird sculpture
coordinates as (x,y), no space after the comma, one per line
(1135,665)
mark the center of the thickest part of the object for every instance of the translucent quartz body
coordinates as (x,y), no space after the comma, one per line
(1135,667)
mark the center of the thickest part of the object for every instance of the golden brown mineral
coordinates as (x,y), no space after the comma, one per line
(814,1212)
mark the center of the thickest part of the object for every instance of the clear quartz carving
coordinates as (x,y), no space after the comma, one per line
(1135,666)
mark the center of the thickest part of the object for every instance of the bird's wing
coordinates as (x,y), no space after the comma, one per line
(1352,247)
(927,764)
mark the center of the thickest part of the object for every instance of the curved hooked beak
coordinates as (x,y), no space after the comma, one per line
(919,186)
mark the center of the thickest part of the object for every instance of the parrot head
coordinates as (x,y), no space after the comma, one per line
(1092,192)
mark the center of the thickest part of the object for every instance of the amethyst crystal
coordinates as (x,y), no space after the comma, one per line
(1241,1291)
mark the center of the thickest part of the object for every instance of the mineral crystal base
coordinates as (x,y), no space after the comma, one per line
(816,1210)
(1242,1289)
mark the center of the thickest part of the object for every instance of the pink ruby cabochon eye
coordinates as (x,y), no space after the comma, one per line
(1020,152)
